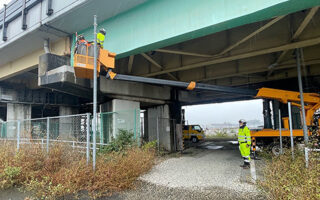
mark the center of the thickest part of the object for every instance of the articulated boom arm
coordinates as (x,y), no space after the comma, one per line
(312,100)
(285,96)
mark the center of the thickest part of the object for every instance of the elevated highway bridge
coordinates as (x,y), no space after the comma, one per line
(240,44)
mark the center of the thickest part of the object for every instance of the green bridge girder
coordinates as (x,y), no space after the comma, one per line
(159,23)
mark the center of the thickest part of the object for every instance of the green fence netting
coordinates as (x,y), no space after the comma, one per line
(111,123)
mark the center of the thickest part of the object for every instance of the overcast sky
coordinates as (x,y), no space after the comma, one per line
(224,112)
(3,2)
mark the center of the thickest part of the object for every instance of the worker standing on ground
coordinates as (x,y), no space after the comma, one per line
(100,37)
(244,139)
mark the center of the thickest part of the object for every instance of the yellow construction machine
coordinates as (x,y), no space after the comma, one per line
(269,136)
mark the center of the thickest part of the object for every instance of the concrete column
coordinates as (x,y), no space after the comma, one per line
(69,127)
(18,112)
(119,114)
(158,119)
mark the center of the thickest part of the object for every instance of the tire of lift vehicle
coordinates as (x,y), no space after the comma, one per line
(194,139)
(275,148)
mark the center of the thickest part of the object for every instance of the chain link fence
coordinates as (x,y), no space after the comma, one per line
(74,130)
(110,124)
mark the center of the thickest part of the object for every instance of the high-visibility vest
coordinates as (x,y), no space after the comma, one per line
(100,39)
(82,42)
(244,135)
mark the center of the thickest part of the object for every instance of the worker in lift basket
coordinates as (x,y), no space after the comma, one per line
(80,47)
(100,37)
(244,140)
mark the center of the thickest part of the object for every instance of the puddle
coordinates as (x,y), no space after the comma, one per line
(213,147)
(205,144)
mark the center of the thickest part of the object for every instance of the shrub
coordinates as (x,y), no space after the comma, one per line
(150,145)
(9,177)
(123,140)
(285,178)
(64,171)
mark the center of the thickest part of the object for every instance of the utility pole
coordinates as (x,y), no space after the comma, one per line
(305,130)
(94,124)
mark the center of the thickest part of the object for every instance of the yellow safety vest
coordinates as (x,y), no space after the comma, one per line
(244,135)
(100,39)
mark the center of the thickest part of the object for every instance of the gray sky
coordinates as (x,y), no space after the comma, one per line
(3,2)
(224,112)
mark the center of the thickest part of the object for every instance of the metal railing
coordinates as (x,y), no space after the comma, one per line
(306,154)
(74,130)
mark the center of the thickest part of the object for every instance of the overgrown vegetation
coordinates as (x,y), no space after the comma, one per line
(123,141)
(285,178)
(64,171)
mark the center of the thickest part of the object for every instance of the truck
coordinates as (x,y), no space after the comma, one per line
(268,137)
(193,132)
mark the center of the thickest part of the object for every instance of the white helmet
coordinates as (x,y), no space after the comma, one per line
(242,121)
(103,31)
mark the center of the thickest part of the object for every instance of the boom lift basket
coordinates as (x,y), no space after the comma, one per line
(83,62)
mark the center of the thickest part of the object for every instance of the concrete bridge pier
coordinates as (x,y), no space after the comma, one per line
(161,124)
(67,125)
(117,115)
(18,112)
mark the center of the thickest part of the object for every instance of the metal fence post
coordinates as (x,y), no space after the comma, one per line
(48,133)
(158,136)
(2,134)
(174,135)
(88,138)
(290,126)
(18,135)
(135,124)
(303,113)
(101,131)
(306,154)
(280,132)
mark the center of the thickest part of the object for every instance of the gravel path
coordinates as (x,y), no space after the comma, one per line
(209,171)
(204,168)
(150,191)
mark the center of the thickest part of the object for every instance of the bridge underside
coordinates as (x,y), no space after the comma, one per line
(256,55)
(260,54)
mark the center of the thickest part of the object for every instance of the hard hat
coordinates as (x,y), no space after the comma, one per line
(103,31)
(80,37)
(242,121)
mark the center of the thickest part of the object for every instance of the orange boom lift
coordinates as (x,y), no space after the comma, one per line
(312,104)
(84,63)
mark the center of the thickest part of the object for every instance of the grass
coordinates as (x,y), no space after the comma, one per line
(64,172)
(285,178)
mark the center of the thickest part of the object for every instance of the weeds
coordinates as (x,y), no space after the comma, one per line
(64,171)
(123,140)
(285,178)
